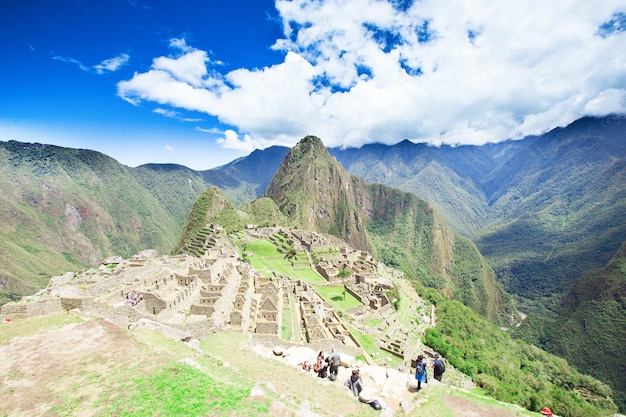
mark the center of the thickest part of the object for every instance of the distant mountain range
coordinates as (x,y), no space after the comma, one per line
(543,210)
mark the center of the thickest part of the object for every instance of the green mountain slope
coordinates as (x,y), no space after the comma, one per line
(64,209)
(514,371)
(315,193)
(562,212)
(541,209)
(591,328)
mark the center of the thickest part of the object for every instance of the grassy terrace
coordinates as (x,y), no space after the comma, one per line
(381,357)
(265,258)
(335,296)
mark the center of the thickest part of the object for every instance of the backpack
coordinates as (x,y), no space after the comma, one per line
(440,367)
(420,368)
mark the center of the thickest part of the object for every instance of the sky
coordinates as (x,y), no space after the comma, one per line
(201,83)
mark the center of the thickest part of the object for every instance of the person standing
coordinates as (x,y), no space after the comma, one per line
(354,382)
(420,372)
(439,367)
(333,369)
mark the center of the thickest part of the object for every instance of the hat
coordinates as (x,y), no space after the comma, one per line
(546,411)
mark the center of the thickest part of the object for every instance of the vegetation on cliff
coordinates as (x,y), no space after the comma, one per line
(512,370)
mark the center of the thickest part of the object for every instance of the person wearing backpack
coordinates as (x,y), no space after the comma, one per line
(420,372)
(333,360)
(439,367)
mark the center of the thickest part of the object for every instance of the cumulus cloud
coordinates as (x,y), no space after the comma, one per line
(382,71)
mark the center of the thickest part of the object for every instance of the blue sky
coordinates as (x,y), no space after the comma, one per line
(200,83)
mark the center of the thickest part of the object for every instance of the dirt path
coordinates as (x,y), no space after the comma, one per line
(38,371)
(465,408)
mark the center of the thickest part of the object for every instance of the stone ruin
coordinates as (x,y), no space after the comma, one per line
(216,291)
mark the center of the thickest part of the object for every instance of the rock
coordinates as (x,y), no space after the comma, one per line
(406,406)
(257,392)
(296,356)
(112,260)
(305,410)
(61,280)
(279,409)
(376,374)
(147,254)
(192,363)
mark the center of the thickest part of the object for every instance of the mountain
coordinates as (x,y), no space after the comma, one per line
(541,209)
(316,193)
(561,211)
(66,209)
(591,327)
(245,179)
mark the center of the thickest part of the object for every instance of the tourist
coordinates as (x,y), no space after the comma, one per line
(420,372)
(354,382)
(306,366)
(333,360)
(439,367)
(320,365)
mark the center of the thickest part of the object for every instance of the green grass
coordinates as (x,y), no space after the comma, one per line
(266,258)
(30,326)
(286,327)
(373,322)
(368,342)
(181,390)
(335,296)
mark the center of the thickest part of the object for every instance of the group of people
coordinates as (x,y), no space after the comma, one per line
(439,367)
(325,366)
(132,298)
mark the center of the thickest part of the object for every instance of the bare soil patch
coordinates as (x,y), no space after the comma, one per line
(61,368)
(465,408)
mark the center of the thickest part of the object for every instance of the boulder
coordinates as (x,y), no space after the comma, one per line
(111,260)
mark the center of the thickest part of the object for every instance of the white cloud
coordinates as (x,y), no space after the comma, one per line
(112,64)
(71,61)
(175,115)
(231,141)
(608,101)
(443,72)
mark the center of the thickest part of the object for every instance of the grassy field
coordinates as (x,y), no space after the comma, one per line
(266,258)
(339,301)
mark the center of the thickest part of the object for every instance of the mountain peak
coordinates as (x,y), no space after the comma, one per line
(316,193)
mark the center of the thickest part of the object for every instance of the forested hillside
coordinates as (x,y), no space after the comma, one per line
(591,327)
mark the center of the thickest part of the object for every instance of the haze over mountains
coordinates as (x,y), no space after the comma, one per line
(543,210)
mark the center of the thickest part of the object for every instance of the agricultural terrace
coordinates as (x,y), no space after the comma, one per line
(264,256)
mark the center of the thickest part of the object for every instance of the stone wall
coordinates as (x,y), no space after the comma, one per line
(36,308)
